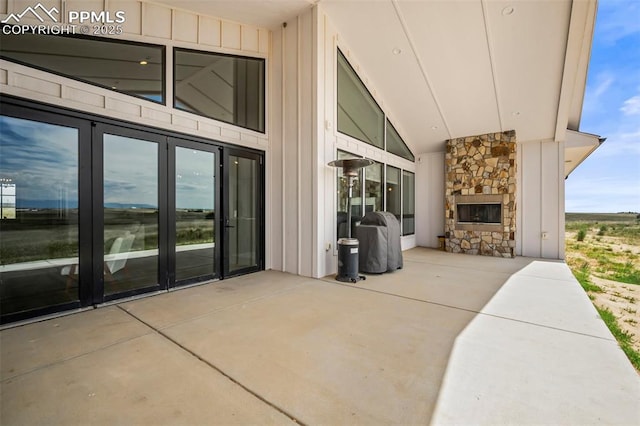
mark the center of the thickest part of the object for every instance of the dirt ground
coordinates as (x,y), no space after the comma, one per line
(622,299)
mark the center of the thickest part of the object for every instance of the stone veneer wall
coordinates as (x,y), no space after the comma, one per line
(477,165)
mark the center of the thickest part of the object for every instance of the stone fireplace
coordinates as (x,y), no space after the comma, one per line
(480,203)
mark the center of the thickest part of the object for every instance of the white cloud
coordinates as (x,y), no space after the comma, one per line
(604,81)
(596,90)
(631,106)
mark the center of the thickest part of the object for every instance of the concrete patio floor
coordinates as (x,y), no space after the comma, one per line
(449,339)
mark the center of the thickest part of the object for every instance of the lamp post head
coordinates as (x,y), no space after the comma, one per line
(350,166)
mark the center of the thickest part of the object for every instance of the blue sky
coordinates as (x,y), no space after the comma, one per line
(609,180)
(40,158)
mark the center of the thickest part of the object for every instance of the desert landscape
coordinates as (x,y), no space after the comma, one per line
(603,251)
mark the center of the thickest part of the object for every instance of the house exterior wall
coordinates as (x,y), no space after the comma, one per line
(301,135)
(304,139)
(160,25)
(334,141)
(292,158)
(430,184)
(541,199)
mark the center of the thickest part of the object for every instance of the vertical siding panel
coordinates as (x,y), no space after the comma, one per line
(263,41)
(306,229)
(132,12)
(550,201)
(185,26)
(561,206)
(249,39)
(156,21)
(231,35)
(290,147)
(209,30)
(531,208)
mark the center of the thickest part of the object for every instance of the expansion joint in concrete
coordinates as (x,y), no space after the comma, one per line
(210,365)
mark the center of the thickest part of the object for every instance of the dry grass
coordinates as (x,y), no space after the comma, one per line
(607,264)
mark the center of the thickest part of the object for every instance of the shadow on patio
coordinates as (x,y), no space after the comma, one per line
(448,339)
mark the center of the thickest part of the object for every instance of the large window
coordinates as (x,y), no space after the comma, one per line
(373,200)
(359,116)
(395,190)
(408,203)
(223,87)
(132,68)
(396,145)
(343,193)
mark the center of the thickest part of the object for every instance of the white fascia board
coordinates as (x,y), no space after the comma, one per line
(578,146)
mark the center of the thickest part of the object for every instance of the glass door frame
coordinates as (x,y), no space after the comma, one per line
(260,209)
(91,198)
(25,112)
(174,143)
(99,130)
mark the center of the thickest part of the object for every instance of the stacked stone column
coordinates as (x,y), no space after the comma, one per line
(481,165)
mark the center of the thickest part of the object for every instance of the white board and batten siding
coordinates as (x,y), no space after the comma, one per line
(146,23)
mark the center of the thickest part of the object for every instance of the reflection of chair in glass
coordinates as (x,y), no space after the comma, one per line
(115,260)
(118,255)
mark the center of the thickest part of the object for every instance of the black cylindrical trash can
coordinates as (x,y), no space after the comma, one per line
(348,260)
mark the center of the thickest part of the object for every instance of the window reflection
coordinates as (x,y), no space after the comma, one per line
(394,196)
(343,193)
(132,68)
(39,221)
(130,214)
(408,203)
(399,190)
(223,87)
(242,223)
(373,188)
(7,198)
(195,213)
(396,145)
(359,115)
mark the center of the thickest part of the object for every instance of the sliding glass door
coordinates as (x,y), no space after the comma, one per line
(93,211)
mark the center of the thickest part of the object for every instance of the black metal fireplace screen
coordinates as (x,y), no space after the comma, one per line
(479,213)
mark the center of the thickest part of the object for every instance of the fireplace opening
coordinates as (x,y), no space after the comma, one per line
(480,213)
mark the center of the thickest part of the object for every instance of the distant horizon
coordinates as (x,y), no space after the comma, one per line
(624,212)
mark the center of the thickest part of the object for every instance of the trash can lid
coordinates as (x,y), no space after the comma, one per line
(348,242)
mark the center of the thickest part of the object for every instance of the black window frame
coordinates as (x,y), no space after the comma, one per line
(91,290)
(107,40)
(205,52)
